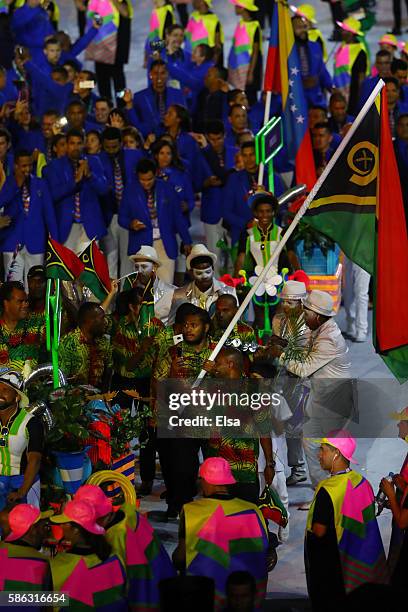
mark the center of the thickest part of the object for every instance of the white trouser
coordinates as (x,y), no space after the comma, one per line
(21,265)
(166,270)
(355,297)
(214,233)
(77,239)
(115,247)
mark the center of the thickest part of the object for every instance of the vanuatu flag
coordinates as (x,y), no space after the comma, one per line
(360,207)
(95,274)
(61,262)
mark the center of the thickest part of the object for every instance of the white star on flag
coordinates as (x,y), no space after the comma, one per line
(293,108)
(300,119)
(294,71)
(290,82)
(291,95)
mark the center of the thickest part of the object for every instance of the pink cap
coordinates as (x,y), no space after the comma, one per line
(216,471)
(82,513)
(343,441)
(22,517)
(94,496)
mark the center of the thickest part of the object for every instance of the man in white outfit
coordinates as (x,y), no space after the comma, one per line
(355,297)
(328,368)
(146,262)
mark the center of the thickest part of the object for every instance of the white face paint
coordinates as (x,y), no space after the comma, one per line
(200,275)
(144,267)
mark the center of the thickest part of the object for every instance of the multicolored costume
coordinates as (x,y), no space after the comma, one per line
(157,22)
(22,569)
(344,59)
(202,29)
(241,52)
(224,536)
(103,47)
(141,552)
(91,584)
(360,546)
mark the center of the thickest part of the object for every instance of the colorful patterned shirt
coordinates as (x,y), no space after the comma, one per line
(85,361)
(193,361)
(126,340)
(241,454)
(25,342)
(241,330)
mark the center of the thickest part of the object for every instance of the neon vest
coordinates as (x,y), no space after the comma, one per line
(224,536)
(90,582)
(361,550)
(201,29)
(254,246)
(158,20)
(241,52)
(344,60)
(17,442)
(315,35)
(22,568)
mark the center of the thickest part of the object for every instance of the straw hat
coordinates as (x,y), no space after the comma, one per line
(199,250)
(293,290)
(146,253)
(320,302)
(14,380)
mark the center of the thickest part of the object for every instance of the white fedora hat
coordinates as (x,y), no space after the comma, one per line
(146,253)
(320,302)
(293,290)
(199,250)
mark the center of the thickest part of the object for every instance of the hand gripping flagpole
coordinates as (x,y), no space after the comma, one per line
(292,226)
(53,324)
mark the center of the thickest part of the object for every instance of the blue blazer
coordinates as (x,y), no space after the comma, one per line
(190,151)
(170,218)
(129,160)
(212,197)
(47,92)
(60,177)
(30,27)
(29,230)
(236,211)
(317,68)
(145,113)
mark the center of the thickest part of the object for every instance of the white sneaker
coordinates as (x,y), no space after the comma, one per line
(283,534)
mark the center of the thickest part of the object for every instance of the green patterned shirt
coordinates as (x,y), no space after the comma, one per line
(25,341)
(85,361)
(126,340)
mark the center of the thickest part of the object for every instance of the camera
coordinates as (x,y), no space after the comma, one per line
(60,123)
(98,19)
(121,94)
(157,45)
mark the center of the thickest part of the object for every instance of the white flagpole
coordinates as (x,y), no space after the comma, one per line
(292,226)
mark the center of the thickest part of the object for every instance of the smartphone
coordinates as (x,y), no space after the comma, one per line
(20,50)
(121,94)
(86,84)
(62,122)
(98,19)
(157,45)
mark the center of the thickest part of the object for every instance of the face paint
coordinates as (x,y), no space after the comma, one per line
(201,275)
(144,267)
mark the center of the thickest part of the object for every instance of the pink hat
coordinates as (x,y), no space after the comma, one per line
(82,513)
(96,498)
(22,517)
(216,471)
(343,441)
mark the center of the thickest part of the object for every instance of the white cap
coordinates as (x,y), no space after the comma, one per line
(320,302)
(293,290)
(199,250)
(146,253)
